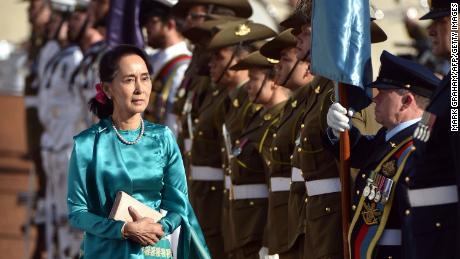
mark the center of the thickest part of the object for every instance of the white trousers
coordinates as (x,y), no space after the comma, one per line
(69,239)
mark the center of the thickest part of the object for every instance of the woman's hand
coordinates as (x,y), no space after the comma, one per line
(142,230)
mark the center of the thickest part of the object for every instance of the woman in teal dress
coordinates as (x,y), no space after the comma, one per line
(125,153)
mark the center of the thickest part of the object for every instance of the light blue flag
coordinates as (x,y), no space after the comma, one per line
(341,45)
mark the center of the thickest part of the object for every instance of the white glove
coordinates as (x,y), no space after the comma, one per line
(337,118)
(263,252)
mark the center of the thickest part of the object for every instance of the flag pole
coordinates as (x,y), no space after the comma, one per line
(345,173)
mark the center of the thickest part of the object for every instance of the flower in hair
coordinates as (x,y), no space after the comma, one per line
(100,95)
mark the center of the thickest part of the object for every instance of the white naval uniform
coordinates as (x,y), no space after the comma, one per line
(158,60)
(47,52)
(50,49)
(57,107)
(86,77)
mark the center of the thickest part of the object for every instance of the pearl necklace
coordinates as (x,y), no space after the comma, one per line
(127,142)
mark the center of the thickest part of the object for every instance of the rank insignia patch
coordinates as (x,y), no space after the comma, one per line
(389,168)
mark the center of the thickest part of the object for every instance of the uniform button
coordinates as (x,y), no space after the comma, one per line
(407,179)
(291,157)
(438,224)
(390,257)
(251,203)
(268,162)
(328,209)
(302,126)
(357,192)
(274,135)
(237,142)
(225,190)
(305,139)
(407,212)
(222,150)
(200,133)
(223,166)
(363,176)
(306,200)
(275,148)
(299,149)
(229,171)
(271,149)
(196,120)
(353,207)
(213,188)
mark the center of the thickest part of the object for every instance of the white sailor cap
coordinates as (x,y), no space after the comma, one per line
(63,5)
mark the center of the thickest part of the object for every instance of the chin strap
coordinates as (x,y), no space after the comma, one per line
(262,86)
(305,58)
(82,31)
(65,17)
(229,62)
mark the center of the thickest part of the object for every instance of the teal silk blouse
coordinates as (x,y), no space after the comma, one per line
(151,171)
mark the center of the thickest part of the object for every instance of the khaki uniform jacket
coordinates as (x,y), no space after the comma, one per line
(282,231)
(206,196)
(323,236)
(238,114)
(248,216)
(184,138)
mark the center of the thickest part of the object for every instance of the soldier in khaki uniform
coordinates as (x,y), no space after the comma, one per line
(248,169)
(193,88)
(196,12)
(283,237)
(230,44)
(239,112)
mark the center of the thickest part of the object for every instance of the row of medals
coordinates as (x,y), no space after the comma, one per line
(378,189)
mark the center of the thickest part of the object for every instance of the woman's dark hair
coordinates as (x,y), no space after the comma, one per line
(108,68)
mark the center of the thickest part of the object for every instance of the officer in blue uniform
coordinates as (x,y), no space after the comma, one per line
(404,88)
(432,185)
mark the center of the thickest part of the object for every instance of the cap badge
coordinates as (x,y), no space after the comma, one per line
(242,30)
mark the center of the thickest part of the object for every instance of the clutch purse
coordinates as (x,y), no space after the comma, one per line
(123,201)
